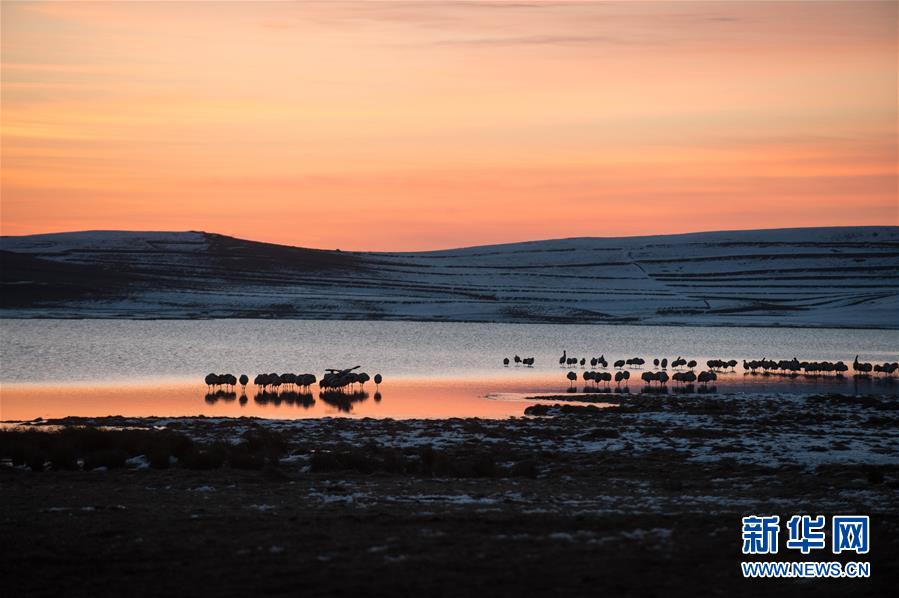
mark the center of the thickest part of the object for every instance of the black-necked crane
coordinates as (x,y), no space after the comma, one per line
(211,380)
(362,378)
(706,377)
(861,367)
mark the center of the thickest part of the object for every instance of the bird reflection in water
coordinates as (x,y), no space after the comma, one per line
(655,390)
(594,390)
(220,395)
(344,401)
(285,397)
(686,389)
(597,390)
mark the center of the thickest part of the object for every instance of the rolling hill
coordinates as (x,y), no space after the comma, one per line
(843,276)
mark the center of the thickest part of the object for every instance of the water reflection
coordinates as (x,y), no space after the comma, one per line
(344,401)
(431,397)
(685,389)
(863,378)
(220,395)
(406,398)
(655,390)
(602,390)
(284,397)
(816,376)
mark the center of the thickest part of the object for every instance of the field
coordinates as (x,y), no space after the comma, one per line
(645,497)
(815,277)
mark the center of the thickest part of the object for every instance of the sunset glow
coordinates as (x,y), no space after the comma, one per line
(419,125)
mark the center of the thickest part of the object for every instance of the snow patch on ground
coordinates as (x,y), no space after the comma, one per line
(839,276)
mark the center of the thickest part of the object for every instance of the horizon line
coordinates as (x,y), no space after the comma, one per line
(458,247)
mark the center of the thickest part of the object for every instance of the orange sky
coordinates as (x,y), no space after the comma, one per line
(423,124)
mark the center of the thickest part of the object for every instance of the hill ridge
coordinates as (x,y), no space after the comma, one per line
(826,276)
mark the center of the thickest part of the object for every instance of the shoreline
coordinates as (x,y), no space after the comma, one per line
(350,318)
(645,495)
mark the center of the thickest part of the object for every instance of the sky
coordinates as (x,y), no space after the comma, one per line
(423,124)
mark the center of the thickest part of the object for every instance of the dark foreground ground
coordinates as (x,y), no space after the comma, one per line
(641,499)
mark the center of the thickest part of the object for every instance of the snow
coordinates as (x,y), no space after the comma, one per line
(839,276)
(139,462)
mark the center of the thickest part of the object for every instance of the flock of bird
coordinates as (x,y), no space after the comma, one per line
(633,362)
(343,381)
(217,380)
(525,361)
(334,380)
(791,367)
(661,376)
(288,381)
(597,377)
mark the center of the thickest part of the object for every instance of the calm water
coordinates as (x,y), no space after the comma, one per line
(100,367)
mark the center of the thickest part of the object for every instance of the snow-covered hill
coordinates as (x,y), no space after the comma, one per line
(844,276)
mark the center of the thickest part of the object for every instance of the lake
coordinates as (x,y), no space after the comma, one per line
(51,368)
